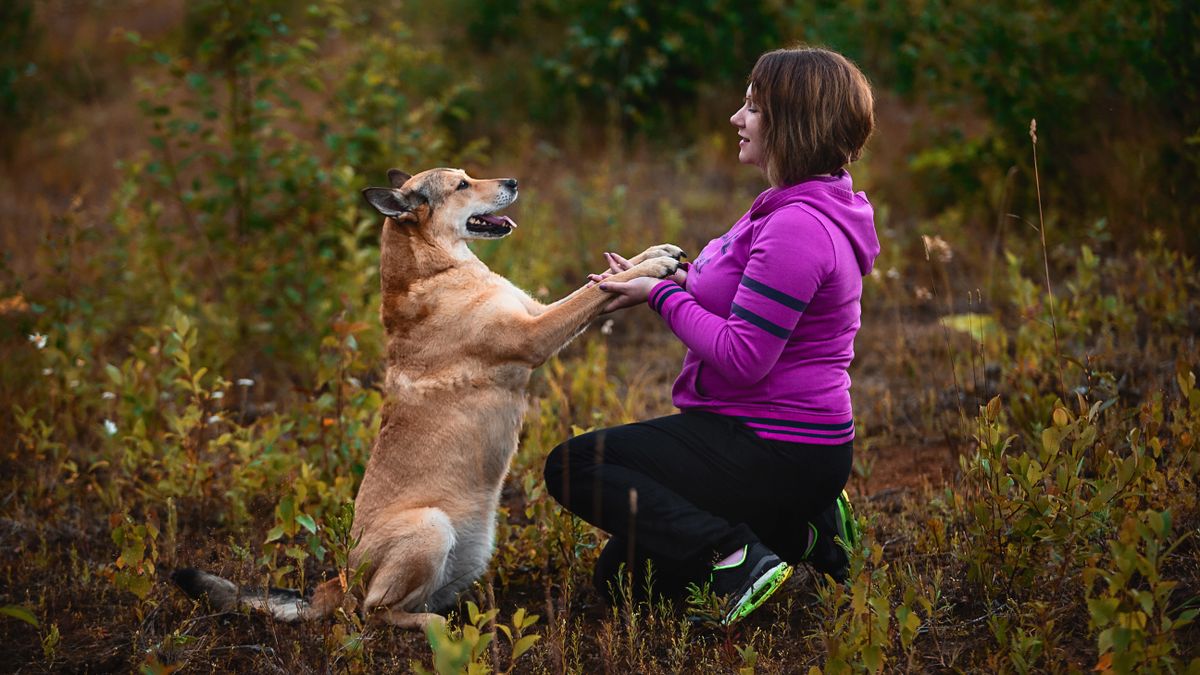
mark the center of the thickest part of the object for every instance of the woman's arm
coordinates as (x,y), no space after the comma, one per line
(790,256)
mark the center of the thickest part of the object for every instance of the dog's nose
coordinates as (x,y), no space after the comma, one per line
(510,183)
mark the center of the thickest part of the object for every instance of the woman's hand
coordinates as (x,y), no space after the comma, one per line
(616,263)
(629,293)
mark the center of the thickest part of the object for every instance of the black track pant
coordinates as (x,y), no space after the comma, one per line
(684,489)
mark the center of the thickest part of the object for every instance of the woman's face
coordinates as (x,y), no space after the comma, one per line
(748,122)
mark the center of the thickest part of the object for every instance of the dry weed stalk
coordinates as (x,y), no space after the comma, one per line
(1062,386)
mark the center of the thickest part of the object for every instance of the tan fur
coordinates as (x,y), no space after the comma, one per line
(462,343)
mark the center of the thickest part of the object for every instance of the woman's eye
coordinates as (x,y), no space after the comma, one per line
(463,185)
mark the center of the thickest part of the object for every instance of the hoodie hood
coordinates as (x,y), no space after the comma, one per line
(833,197)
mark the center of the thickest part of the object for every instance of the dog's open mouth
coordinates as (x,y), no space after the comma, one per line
(489,225)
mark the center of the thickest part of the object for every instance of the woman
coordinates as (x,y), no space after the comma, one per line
(749,476)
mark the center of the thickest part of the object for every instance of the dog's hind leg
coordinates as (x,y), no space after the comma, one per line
(410,552)
(402,619)
(475,539)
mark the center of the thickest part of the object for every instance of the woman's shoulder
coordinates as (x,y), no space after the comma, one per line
(792,220)
(795,233)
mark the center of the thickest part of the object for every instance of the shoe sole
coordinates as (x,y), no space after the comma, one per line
(763,588)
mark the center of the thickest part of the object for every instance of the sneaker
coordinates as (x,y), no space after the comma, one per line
(750,581)
(825,552)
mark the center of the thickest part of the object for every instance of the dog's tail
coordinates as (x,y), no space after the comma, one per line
(283,604)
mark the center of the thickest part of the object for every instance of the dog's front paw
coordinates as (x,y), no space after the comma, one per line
(662,251)
(660,267)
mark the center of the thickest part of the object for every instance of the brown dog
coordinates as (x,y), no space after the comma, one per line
(462,343)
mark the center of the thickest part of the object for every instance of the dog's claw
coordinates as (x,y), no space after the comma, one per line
(669,268)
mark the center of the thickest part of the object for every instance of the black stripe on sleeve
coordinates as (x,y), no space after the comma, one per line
(662,297)
(772,328)
(778,296)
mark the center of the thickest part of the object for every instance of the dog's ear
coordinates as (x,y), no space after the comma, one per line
(393,203)
(397,177)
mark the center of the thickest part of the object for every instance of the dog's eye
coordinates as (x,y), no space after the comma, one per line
(463,185)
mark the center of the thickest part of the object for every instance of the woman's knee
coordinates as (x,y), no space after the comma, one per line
(573,460)
(554,472)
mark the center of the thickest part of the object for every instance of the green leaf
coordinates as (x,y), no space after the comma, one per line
(1051,438)
(481,645)
(133,550)
(524,644)
(978,326)
(21,613)
(528,621)
(287,509)
(872,656)
(1105,641)
(307,522)
(472,613)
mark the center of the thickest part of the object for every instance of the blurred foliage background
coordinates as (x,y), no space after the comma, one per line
(189,332)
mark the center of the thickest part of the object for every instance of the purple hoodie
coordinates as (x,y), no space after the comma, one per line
(770,310)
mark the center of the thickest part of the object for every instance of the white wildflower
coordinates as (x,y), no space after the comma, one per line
(218,395)
(110,427)
(607,327)
(355,382)
(893,273)
(38,340)
(213,419)
(923,293)
(245,382)
(47,371)
(108,396)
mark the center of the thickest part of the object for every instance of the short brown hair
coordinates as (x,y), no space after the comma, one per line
(818,112)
